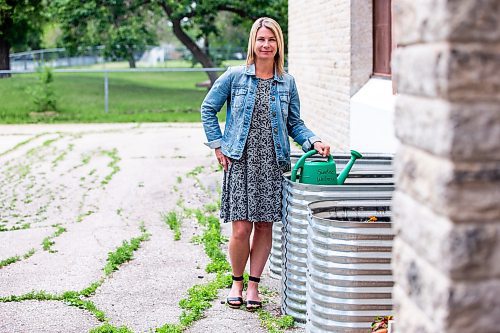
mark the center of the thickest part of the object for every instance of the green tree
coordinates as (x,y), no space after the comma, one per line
(125,25)
(202,14)
(121,26)
(20,27)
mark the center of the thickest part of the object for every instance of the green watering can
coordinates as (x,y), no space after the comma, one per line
(321,172)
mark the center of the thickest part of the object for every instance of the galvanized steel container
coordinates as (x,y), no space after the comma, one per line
(296,197)
(356,177)
(275,257)
(349,277)
(360,177)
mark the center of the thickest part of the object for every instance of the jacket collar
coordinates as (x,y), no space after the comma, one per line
(250,70)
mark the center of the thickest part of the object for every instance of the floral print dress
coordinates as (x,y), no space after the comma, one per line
(251,188)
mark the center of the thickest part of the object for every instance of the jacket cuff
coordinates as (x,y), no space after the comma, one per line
(308,144)
(214,144)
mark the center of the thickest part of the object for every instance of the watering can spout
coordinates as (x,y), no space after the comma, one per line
(343,175)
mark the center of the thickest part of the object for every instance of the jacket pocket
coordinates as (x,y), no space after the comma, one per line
(284,104)
(239,94)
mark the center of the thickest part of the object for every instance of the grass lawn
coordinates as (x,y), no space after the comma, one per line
(133,97)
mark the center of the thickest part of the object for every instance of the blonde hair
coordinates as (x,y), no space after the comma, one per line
(279,58)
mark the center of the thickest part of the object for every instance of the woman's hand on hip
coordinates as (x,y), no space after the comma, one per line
(322,148)
(222,159)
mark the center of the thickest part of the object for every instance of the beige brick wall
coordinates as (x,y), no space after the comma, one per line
(319,59)
(330,56)
(445,208)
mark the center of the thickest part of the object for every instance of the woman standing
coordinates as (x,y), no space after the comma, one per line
(262,111)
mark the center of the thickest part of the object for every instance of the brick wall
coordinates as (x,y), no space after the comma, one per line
(330,56)
(446,207)
(319,59)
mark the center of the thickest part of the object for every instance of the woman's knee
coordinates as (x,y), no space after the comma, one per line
(241,230)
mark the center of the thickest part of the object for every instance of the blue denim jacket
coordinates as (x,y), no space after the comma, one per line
(238,87)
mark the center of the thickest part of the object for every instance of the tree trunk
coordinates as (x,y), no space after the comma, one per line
(198,53)
(131,60)
(4,56)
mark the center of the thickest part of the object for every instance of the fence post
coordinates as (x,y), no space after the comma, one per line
(106,107)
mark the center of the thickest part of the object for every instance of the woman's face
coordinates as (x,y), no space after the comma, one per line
(266,45)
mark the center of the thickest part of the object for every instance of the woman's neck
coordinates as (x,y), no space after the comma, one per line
(264,69)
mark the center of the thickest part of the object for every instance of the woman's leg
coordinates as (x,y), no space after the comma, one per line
(259,253)
(239,249)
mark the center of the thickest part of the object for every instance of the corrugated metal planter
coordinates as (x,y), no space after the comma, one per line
(276,251)
(296,197)
(360,177)
(349,277)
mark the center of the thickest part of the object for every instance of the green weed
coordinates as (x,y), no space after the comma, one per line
(211,207)
(123,253)
(82,216)
(22,143)
(275,324)
(9,261)
(113,154)
(29,254)
(72,298)
(90,290)
(174,223)
(196,171)
(108,328)
(32,295)
(48,242)
(170,328)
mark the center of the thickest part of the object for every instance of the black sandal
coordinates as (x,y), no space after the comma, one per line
(253,305)
(235,302)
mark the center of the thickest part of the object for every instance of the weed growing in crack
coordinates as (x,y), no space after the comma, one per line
(77,298)
(211,207)
(113,154)
(15,227)
(63,155)
(22,143)
(33,295)
(82,216)
(196,171)
(170,328)
(29,254)
(90,290)
(73,298)
(275,324)
(173,221)
(108,328)
(212,239)
(8,261)
(48,242)
(48,142)
(123,253)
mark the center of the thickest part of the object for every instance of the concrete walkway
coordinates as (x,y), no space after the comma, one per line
(101,183)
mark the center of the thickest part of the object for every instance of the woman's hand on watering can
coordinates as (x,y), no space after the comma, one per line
(223,159)
(322,148)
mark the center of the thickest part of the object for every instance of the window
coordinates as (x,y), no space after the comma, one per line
(382,37)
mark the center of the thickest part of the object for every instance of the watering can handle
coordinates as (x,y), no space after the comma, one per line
(300,163)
